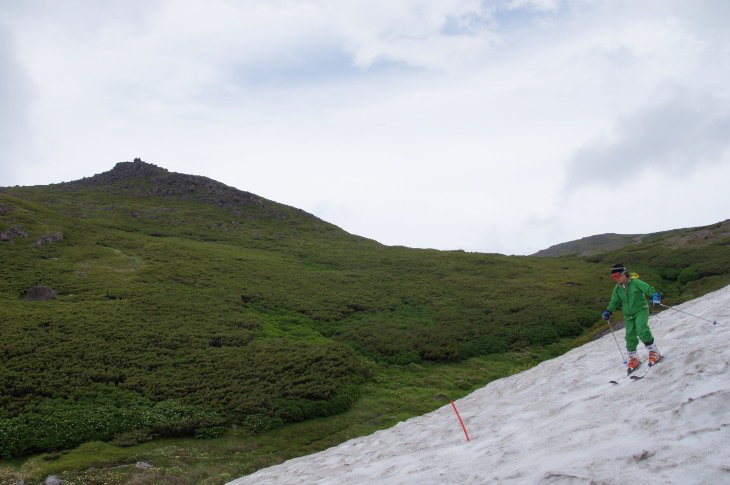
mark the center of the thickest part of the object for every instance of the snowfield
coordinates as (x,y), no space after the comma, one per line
(563,421)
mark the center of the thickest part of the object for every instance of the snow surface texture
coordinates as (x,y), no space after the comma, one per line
(562,421)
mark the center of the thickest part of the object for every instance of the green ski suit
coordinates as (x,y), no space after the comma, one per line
(632,298)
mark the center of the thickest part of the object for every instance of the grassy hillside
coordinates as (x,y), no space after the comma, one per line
(187,308)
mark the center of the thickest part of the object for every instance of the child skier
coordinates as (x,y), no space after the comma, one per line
(631,293)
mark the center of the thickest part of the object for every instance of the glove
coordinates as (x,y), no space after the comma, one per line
(606,315)
(656,299)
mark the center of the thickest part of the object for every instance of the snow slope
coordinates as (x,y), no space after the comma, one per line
(562,421)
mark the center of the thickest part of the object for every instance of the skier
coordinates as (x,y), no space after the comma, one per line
(631,293)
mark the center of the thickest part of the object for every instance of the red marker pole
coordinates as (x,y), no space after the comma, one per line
(462,422)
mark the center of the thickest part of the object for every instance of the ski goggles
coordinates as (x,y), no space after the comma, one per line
(617,275)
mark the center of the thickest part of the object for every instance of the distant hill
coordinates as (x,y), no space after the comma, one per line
(590,245)
(604,243)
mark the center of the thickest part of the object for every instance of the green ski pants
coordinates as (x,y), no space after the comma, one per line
(637,328)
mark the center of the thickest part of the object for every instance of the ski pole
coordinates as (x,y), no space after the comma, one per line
(617,345)
(714,322)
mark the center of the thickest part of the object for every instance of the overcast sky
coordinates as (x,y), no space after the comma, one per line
(492,126)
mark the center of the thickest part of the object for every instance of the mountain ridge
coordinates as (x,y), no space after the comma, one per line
(128,184)
(602,243)
(149,180)
(146,179)
(590,245)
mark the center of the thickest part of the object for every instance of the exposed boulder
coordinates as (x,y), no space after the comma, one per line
(41,293)
(11,233)
(4,208)
(48,239)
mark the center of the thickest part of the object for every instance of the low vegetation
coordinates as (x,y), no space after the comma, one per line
(187,309)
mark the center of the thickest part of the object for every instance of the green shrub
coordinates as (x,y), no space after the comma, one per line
(59,424)
(688,275)
(132,438)
(261,423)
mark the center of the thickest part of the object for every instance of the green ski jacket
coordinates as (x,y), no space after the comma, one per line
(632,298)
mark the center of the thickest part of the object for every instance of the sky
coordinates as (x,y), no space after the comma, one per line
(562,422)
(494,126)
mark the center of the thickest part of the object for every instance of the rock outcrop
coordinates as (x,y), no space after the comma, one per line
(11,233)
(48,239)
(4,208)
(41,293)
(148,180)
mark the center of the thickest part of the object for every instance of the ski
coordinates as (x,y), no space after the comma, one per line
(640,376)
(616,381)
(628,374)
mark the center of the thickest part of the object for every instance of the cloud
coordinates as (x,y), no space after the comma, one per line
(15,98)
(676,136)
(432,35)
(540,5)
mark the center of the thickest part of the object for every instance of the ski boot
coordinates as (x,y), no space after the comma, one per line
(634,362)
(654,356)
